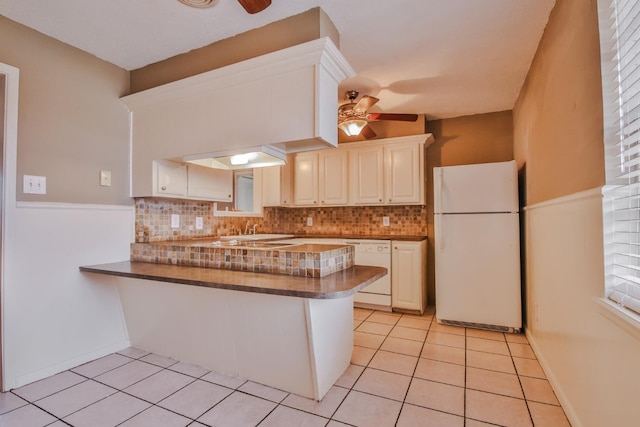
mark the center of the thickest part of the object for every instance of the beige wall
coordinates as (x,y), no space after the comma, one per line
(3,81)
(307,26)
(71,123)
(480,138)
(558,117)
(558,143)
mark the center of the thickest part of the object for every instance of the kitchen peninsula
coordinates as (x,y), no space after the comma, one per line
(291,332)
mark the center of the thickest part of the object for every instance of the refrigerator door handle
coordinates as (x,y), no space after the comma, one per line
(438,189)
(439,236)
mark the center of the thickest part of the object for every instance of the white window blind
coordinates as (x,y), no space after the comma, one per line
(620,53)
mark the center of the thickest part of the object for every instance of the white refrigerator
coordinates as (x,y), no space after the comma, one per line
(477,246)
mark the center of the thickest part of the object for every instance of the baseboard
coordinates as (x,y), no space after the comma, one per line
(67,364)
(555,384)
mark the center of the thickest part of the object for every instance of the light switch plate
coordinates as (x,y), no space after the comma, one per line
(199,223)
(105,178)
(385,221)
(309,221)
(34,184)
(175,221)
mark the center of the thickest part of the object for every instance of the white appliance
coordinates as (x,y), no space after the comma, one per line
(375,253)
(477,246)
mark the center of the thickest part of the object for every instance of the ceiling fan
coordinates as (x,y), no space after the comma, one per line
(251,6)
(353,118)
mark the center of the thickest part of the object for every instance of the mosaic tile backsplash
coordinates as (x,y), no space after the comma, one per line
(305,260)
(153,220)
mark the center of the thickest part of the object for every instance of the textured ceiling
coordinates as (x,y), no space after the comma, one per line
(444,58)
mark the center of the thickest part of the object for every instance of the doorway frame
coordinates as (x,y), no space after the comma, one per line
(9,170)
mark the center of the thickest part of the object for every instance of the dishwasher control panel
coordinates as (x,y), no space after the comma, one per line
(370,246)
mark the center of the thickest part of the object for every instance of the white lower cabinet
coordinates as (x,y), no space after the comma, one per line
(408,275)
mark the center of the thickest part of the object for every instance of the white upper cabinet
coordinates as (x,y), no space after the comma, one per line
(320,178)
(170,179)
(276,185)
(366,165)
(333,186)
(285,99)
(404,173)
(173,179)
(381,172)
(388,171)
(305,181)
(209,184)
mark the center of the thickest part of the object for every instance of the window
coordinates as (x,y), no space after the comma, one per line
(620,52)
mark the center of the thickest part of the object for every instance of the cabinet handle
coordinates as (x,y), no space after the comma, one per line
(379,200)
(315,203)
(322,201)
(389,199)
(164,187)
(229,196)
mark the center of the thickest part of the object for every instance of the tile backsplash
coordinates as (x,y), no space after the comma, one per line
(153,220)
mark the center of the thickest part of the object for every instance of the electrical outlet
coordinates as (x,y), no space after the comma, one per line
(34,184)
(105,178)
(199,223)
(175,221)
(385,221)
(309,221)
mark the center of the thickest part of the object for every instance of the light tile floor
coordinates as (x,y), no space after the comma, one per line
(406,371)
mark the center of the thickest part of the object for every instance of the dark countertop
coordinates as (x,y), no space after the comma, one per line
(337,285)
(356,236)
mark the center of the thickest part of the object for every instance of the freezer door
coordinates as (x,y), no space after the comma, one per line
(486,187)
(477,269)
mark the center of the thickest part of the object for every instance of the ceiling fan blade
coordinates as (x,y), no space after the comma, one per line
(393,116)
(367,132)
(365,103)
(254,6)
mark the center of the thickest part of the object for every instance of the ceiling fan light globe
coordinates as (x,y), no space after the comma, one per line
(199,4)
(352,127)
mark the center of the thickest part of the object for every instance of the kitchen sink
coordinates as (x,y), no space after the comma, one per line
(255,237)
(251,244)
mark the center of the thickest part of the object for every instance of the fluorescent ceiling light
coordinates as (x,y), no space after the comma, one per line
(253,157)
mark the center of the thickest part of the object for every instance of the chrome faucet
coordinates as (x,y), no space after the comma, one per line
(255,226)
(246,228)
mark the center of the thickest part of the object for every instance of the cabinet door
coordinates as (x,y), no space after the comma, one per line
(210,184)
(286,182)
(333,180)
(276,185)
(366,184)
(404,173)
(271,186)
(305,179)
(171,179)
(408,274)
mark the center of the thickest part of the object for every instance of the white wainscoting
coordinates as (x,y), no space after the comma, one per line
(54,316)
(592,363)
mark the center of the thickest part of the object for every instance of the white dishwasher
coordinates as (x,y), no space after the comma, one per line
(375,253)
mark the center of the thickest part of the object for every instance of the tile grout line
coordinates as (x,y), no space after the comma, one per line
(377,350)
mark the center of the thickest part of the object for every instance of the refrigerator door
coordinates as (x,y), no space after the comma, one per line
(478,269)
(486,187)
